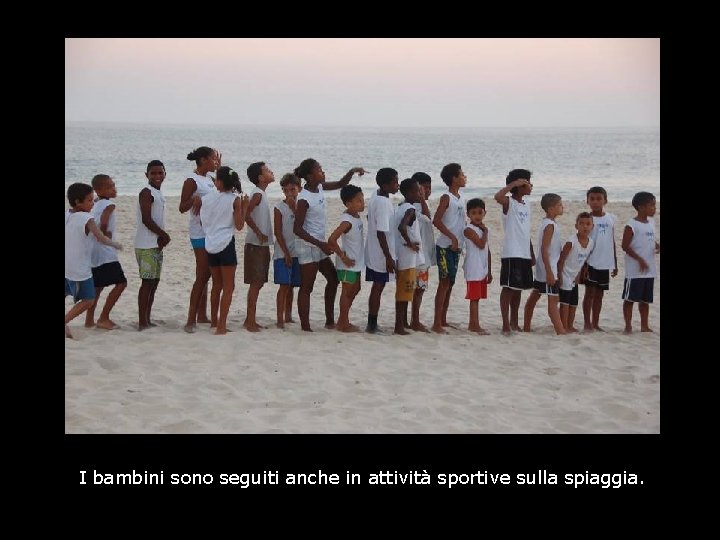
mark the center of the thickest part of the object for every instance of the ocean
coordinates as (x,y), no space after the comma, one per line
(566,161)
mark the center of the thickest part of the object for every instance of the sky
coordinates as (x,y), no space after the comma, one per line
(369,82)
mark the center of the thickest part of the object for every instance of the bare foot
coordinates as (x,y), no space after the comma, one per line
(419,327)
(448,325)
(221,331)
(588,329)
(479,330)
(252,327)
(289,319)
(516,328)
(306,329)
(348,328)
(189,328)
(89,324)
(438,329)
(401,332)
(280,325)
(507,333)
(528,329)
(330,326)
(627,330)
(597,328)
(646,329)
(107,325)
(570,330)
(68,334)
(152,324)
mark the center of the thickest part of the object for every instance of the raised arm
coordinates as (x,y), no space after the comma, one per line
(344,227)
(406,222)
(254,201)
(146,200)
(91,227)
(345,180)
(501,196)
(626,240)
(188,198)
(545,251)
(440,226)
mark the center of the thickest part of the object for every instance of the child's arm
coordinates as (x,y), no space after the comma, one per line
(615,270)
(188,199)
(345,180)
(425,210)
(532,255)
(440,226)
(475,239)
(389,261)
(91,227)
(146,200)
(105,219)
(300,213)
(545,251)
(278,224)
(489,276)
(344,227)
(405,222)
(626,240)
(561,262)
(240,211)
(254,201)
(501,196)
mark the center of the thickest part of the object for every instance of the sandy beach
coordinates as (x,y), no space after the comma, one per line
(163,380)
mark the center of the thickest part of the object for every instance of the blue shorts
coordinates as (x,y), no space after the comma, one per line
(372,275)
(197,243)
(447,261)
(284,275)
(80,290)
(638,290)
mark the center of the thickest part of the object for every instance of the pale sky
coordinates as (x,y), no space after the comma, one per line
(378,82)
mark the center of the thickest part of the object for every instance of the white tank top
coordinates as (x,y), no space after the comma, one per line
(216,214)
(78,246)
(204,185)
(427,236)
(380,217)
(314,223)
(553,251)
(454,219)
(352,244)
(261,217)
(144,237)
(102,254)
(643,243)
(288,222)
(575,259)
(475,264)
(406,257)
(602,256)
(516,224)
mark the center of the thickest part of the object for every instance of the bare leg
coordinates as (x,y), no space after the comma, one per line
(90,313)
(596,307)
(77,309)
(347,295)
(144,295)
(627,315)
(569,324)
(228,287)
(327,269)
(289,304)
(308,273)
(113,296)
(154,286)
(252,296)
(415,323)
(446,305)
(202,316)
(505,296)
(644,316)
(529,308)
(281,303)
(202,276)
(514,310)
(474,322)
(564,308)
(217,288)
(440,295)
(588,307)
(554,314)
(400,316)
(374,305)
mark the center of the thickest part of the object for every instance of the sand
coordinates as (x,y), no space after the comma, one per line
(163,380)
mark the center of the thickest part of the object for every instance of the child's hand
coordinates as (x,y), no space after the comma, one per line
(614,272)
(288,261)
(163,240)
(519,182)
(415,246)
(551,280)
(657,247)
(489,277)
(390,265)
(326,249)
(454,244)
(358,170)
(263,238)
(643,265)
(219,158)
(347,261)
(117,245)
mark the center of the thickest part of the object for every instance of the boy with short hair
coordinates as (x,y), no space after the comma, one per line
(286,266)
(572,259)
(477,263)
(427,239)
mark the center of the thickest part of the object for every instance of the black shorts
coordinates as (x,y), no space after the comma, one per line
(598,278)
(544,288)
(569,297)
(516,273)
(108,274)
(227,257)
(638,290)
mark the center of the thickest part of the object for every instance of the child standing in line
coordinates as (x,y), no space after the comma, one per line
(258,240)
(286,268)
(150,239)
(477,263)
(223,210)
(640,247)
(450,221)
(106,267)
(427,240)
(380,244)
(550,241)
(572,259)
(602,259)
(350,258)
(79,223)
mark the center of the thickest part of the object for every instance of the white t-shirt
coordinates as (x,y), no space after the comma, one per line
(144,237)
(475,265)
(288,222)
(352,244)
(216,214)
(78,246)
(102,254)
(380,217)
(427,236)
(516,224)
(643,243)
(574,261)
(261,217)
(553,252)
(314,223)
(454,220)
(204,185)
(602,256)
(406,257)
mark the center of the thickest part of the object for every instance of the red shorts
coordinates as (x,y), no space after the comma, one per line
(476,290)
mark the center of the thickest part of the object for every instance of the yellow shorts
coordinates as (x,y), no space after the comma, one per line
(405,285)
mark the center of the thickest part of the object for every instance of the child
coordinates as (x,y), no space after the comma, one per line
(223,210)
(450,221)
(106,267)
(477,263)
(258,239)
(640,247)
(312,249)
(550,241)
(380,243)
(199,184)
(517,256)
(350,259)
(150,239)
(427,241)
(409,251)
(78,270)
(286,267)
(602,259)
(572,258)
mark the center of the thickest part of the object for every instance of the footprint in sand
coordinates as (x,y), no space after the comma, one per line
(551,371)
(653,379)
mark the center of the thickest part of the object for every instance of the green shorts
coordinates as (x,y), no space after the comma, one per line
(150,262)
(348,276)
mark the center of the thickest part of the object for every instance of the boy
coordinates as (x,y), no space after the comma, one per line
(258,239)
(79,223)
(517,256)
(546,266)
(106,267)
(409,251)
(286,267)
(380,243)
(350,258)
(572,258)
(602,259)
(640,247)
(450,221)
(427,241)
(476,265)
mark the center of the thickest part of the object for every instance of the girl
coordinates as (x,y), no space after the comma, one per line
(286,267)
